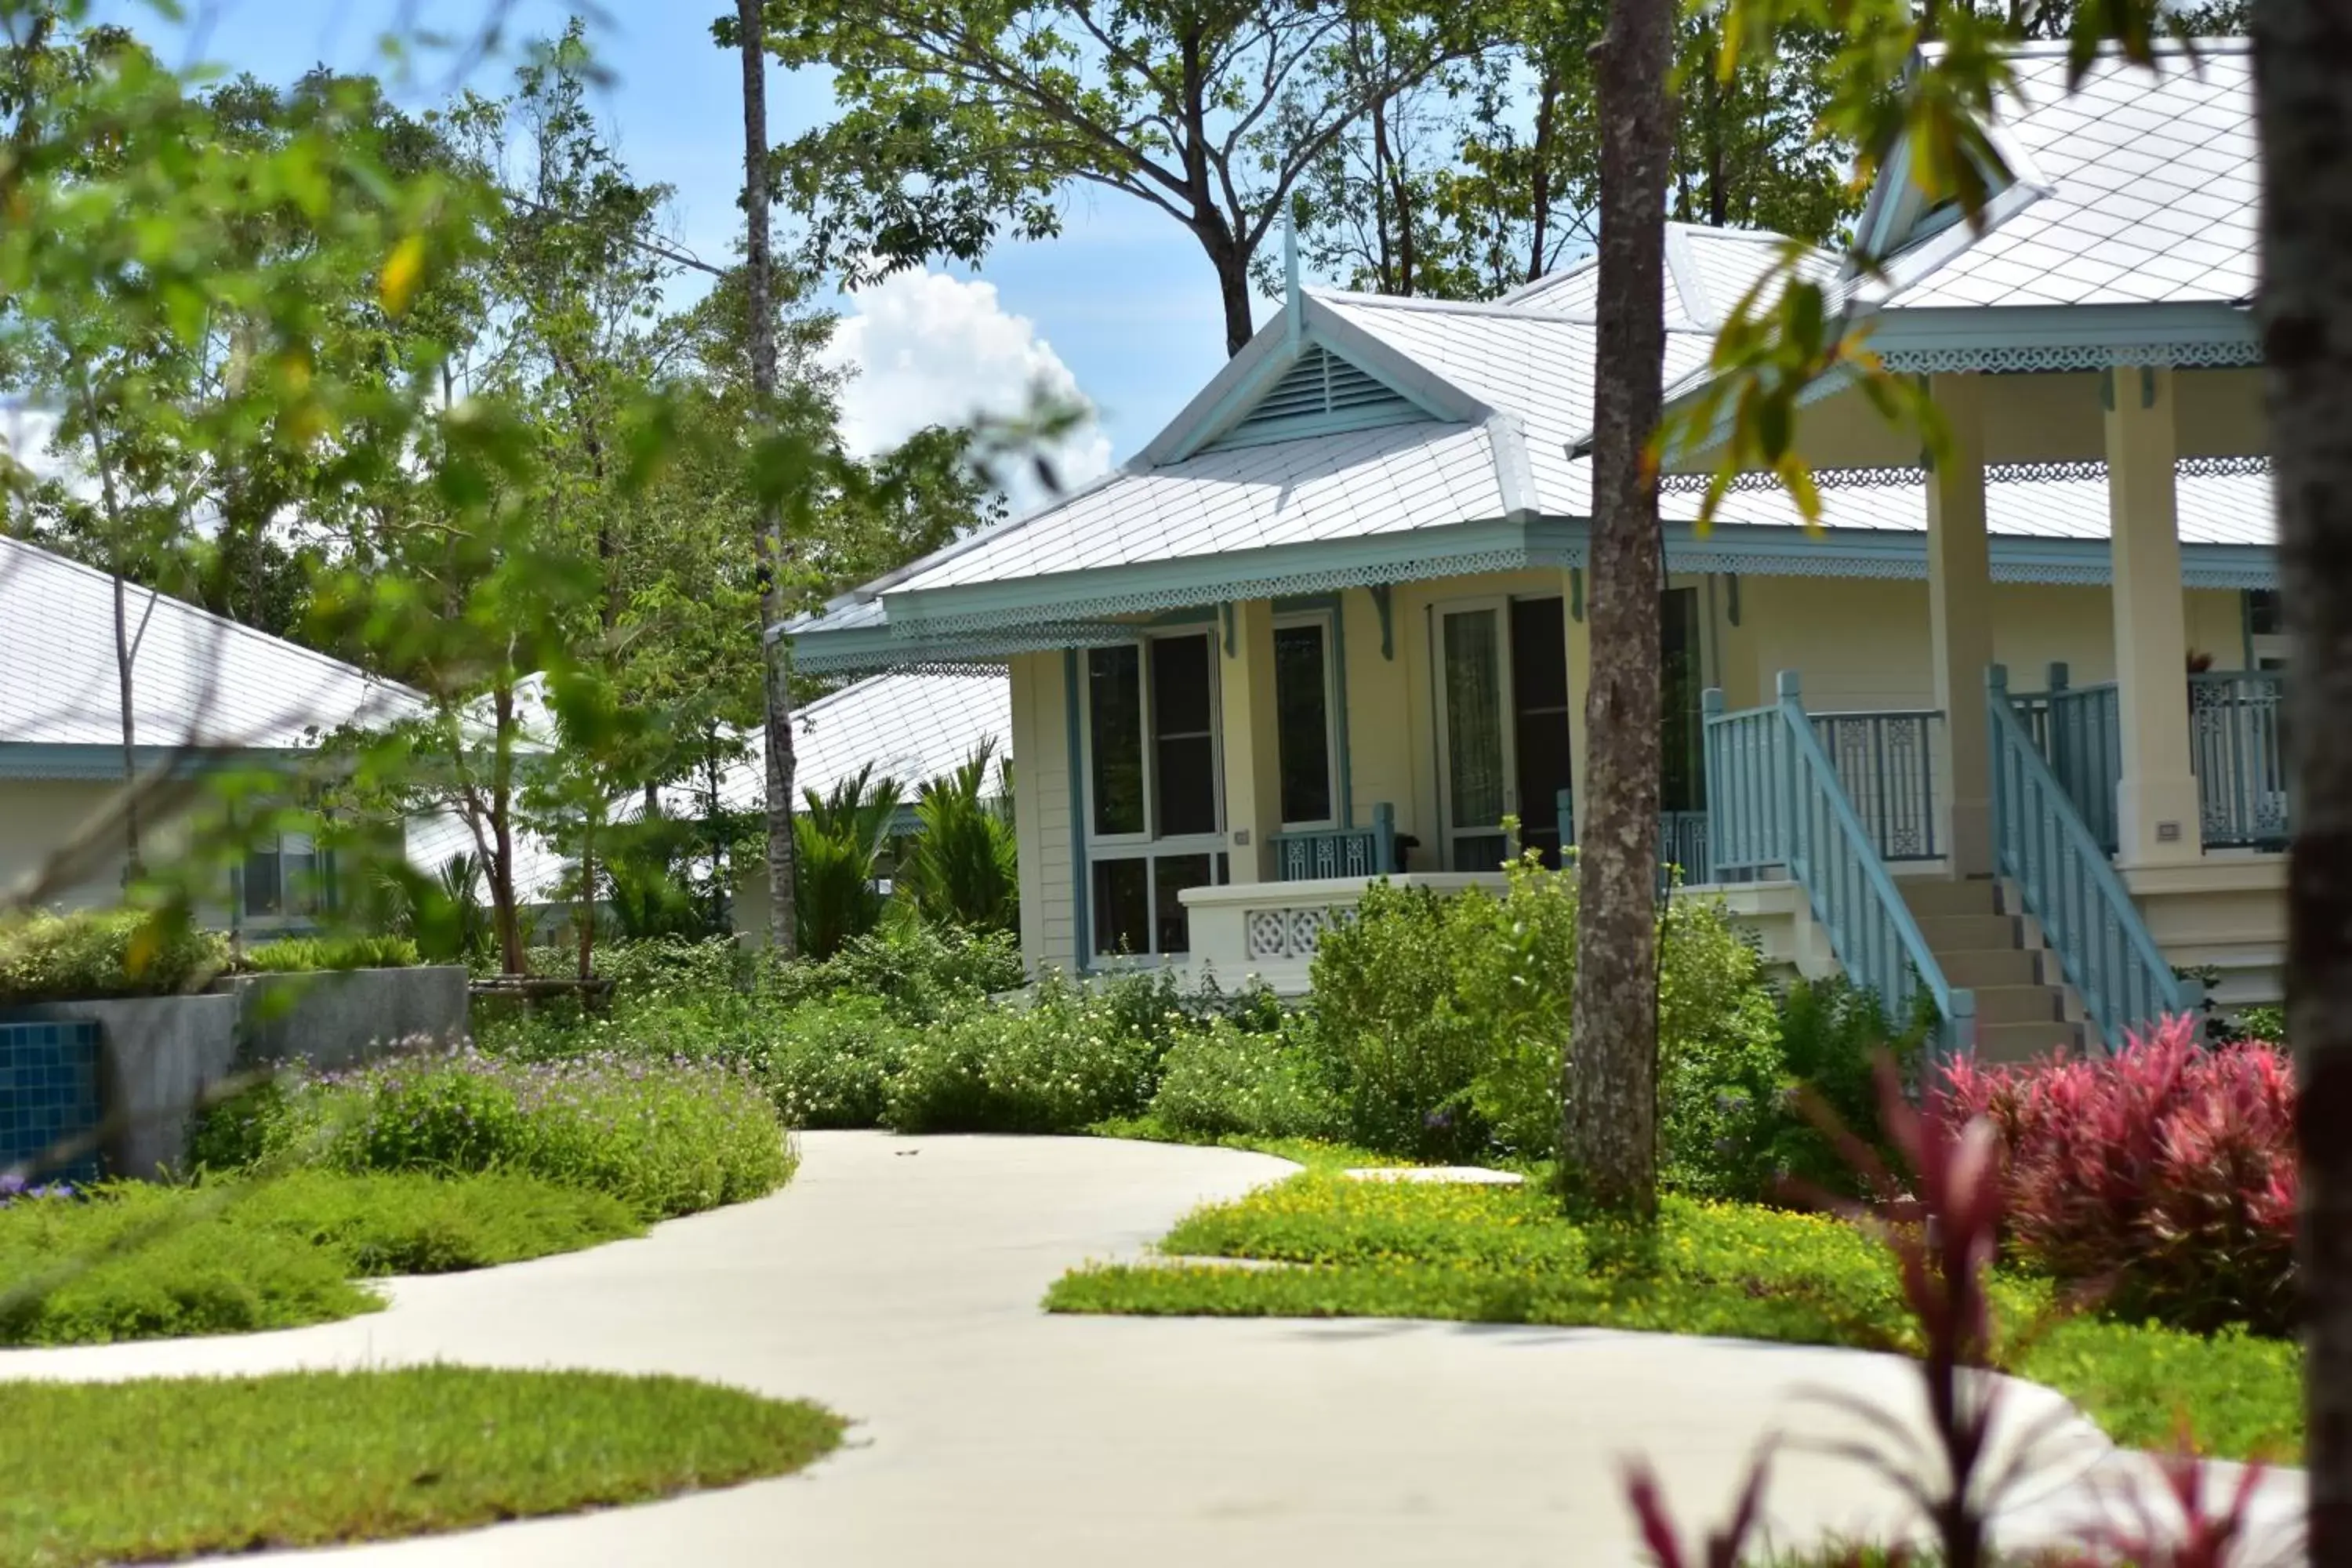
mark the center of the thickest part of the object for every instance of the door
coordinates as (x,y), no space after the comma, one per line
(1477,764)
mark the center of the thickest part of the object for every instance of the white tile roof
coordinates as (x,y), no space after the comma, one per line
(1707,270)
(911,727)
(198,679)
(2145,189)
(1388,480)
(2212,508)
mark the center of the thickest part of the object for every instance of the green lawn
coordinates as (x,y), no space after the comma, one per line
(1315,1153)
(1505,1254)
(162,1468)
(143,1262)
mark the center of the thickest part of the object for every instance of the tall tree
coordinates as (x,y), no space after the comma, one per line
(963,121)
(2303,75)
(759,284)
(1609,1126)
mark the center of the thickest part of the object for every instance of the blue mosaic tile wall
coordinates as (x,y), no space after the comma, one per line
(48,1091)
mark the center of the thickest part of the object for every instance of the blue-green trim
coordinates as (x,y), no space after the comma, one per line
(92,761)
(1082,918)
(1225,627)
(1384,603)
(977,621)
(1305,603)
(1575,594)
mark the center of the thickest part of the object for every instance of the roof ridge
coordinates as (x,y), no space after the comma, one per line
(2055,48)
(216,617)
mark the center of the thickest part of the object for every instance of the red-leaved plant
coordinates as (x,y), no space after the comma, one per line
(1944,1227)
(2163,1175)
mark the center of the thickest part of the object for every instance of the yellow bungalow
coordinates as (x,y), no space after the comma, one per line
(2004,733)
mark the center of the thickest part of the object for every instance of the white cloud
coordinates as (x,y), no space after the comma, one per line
(931,349)
(25,436)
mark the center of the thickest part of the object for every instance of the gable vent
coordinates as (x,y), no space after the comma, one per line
(1320,394)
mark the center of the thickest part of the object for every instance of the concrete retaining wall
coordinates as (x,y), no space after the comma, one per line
(157,1056)
(341,1018)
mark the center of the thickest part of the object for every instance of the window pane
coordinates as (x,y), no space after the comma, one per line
(263,895)
(1473,712)
(1122,894)
(1539,721)
(1114,704)
(298,871)
(1184,737)
(1174,874)
(1682,765)
(1302,723)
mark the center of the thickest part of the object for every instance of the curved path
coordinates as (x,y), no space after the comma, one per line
(897,1280)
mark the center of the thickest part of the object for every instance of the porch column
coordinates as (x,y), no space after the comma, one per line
(1959,619)
(1573,583)
(1253,757)
(2157,821)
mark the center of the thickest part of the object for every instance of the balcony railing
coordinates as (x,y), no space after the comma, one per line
(1886,761)
(1312,855)
(2235,750)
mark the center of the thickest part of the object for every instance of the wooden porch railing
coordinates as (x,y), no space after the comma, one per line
(2235,750)
(1777,800)
(2068,879)
(1311,856)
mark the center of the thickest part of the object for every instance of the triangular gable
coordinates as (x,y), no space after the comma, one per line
(1319,395)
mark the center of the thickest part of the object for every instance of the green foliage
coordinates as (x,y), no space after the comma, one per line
(1831,1035)
(1227,1082)
(924,972)
(1444,1021)
(830,1062)
(962,867)
(1058,1065)
(303,954)
(664,1139)
(1398,1040)
(839,841)
(155,1469)
(2267,1024)
(105,953)
(1480,1253)
(269,1253)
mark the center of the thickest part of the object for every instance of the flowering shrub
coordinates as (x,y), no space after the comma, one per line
(1226,1081)
(1065,1061)
(829,1063)
(2165,1175)
(16,1189)
(665,1137)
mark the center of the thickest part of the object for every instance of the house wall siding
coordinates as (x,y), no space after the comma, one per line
(1042,810)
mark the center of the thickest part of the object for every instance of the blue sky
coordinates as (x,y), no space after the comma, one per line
(1124,299)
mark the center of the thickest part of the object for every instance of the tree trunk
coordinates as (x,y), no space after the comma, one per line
(505,912)
(1539,224)
(1233,286)
(2303,75)
(775,654)
(1608,1115)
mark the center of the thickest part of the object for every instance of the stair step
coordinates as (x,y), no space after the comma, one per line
(1969,933)
(1998,1043)
(1991,966)
(1936,896)
(2018,1003)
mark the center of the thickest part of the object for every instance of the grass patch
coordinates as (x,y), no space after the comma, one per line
(1491,1254)
(232,1258)
(169,1468)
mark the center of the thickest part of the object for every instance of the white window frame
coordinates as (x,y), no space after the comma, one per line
(321,890)
(1499,606)
(1148,845)
(1321,620)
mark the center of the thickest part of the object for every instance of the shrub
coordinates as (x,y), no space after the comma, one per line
(1445,1023)
(1397,1040)
(2165,1173)
(1058,1065)
(1831,1035)
(830,1062)
(665,1138)
(963,867)
(1720,1063)
(923,969)
(408,1223)
(837,841)
(105,953)
(1226,1081)
(304,955)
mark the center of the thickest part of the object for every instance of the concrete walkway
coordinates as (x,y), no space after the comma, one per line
(897,1280)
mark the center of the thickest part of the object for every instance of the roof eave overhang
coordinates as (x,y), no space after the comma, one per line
(86,760)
